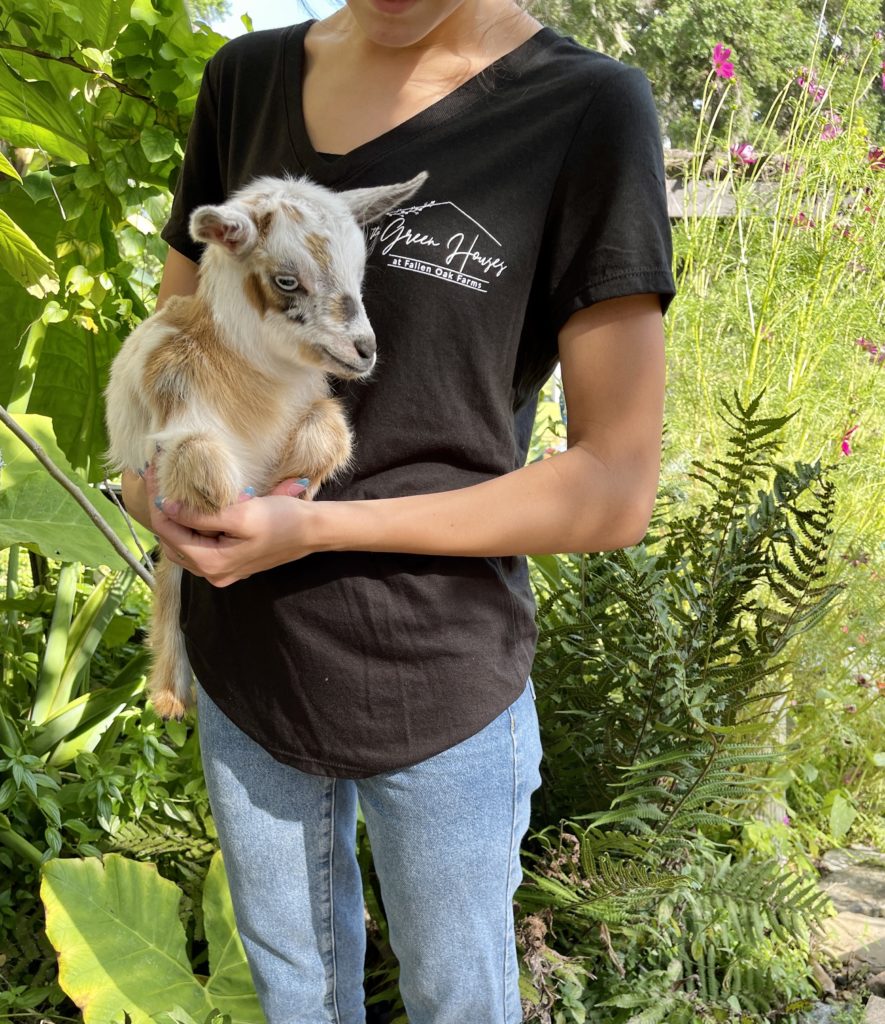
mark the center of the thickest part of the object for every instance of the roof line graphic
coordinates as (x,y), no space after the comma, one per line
(448,202)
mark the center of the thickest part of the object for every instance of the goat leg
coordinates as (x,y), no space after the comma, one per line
(169,682)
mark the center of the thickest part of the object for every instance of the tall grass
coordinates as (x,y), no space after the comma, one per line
(788,293)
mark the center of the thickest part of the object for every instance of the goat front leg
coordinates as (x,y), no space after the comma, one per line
(170,678)
(319,445)
(196,469)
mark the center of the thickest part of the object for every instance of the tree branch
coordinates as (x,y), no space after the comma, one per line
(78,496)
(43,55)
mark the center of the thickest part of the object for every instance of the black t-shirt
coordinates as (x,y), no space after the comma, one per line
(545,194)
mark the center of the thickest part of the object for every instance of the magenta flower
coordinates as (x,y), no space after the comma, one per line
(876,354)
(721,64)
(876,157)
(806,79)
(786,820)
(744,153)
(801,220)
(846,446)
(833,126)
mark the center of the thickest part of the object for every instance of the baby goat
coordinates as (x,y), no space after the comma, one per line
(228,388)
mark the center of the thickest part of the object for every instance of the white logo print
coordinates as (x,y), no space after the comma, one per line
(440,240)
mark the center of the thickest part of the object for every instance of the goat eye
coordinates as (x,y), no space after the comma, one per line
(286,283)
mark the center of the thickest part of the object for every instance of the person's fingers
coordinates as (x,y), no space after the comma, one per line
(291,488)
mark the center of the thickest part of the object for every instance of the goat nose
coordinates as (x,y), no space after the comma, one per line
(365,345)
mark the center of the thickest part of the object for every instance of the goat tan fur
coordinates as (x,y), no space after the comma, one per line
(228,388)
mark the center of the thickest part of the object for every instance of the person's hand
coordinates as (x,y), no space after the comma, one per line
(249,537)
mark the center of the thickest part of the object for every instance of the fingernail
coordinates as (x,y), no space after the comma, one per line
(158,502)
(246,493)
(303,481)
(140,472)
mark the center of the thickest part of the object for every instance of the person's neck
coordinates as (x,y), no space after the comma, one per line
(476,33)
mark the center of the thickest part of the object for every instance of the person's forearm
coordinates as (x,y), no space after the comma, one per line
(570,502)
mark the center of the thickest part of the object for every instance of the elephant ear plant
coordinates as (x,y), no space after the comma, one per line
(122,951)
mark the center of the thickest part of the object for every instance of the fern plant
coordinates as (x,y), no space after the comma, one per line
(658,673)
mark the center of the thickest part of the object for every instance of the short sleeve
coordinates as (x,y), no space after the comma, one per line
(200,179)
(608,232)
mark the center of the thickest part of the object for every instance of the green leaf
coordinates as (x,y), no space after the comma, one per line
(21,258)
(842,815)
(37,512)
(230,985)
(121,945)
(158,143)
(120,942)
(7,168)
(36,108)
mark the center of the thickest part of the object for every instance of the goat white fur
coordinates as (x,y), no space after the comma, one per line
(227,388)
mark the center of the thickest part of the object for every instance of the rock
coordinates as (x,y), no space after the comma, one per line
(851,934)
(875,1011)
(823,1013)
(854,879)
(824,982)
(877,984)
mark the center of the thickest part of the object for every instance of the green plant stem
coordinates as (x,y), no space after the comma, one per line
(20,846)
(78,496)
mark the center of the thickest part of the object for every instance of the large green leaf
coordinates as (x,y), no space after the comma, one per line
(230,985)
(121,945)
(101,21)
(36,511)
(71,378)
(21,258)
(36,108)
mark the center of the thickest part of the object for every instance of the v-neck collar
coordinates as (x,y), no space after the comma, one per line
(342,167)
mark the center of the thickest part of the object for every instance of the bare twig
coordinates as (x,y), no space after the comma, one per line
(78,496)
(146,558)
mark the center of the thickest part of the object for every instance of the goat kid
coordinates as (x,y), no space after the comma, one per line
(228,388)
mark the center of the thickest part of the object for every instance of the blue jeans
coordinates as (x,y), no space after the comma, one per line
(445,837)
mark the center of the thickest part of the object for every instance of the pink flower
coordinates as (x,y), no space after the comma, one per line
(786,820)
(833,126)
(876,157)
(721,64)
(744,153)
(802,221)
(846,446)
(815,90)
(876,354)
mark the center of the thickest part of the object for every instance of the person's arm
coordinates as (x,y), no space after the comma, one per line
(595,496)
(179,278)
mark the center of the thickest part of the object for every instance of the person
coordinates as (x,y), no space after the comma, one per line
(374,645)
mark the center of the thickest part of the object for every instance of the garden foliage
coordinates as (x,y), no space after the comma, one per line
(710,698)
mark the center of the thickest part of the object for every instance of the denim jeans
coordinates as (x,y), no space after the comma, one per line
(445,837)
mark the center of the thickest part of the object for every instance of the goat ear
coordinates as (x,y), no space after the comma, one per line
(370,204)
(227,226)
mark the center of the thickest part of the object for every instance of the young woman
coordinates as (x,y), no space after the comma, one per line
(375,644)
